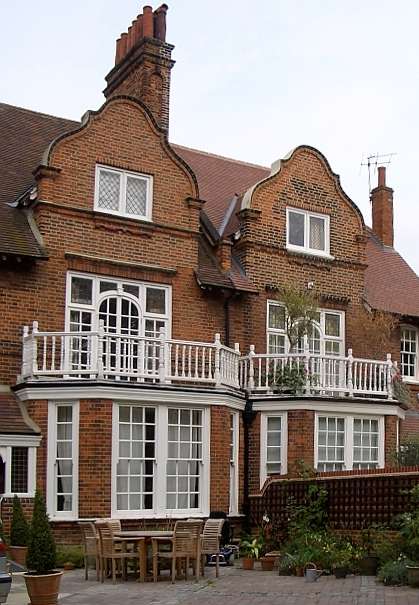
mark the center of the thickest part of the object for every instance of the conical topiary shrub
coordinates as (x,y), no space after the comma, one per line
(41,548)
(19,530)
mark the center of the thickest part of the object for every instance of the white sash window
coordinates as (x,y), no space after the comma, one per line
(160,461)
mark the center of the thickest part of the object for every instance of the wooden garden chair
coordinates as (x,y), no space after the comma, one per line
(91,547)
(113,550)
(186,544)
(210,542)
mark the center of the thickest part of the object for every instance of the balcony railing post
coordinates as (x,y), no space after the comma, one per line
(162,355)
(34,364)
(390,389)
(251,383)
(236,380)
(26,355)
(100,349)
(217,361)
(350,373)
(307,367)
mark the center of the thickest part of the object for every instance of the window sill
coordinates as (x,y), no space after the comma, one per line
(310,253)
(410,380)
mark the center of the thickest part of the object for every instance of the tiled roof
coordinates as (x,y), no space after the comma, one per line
(12,417)
(220,179)
(390,284)
(209,272)
(24,136)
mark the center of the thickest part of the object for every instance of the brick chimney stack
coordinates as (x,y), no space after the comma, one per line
(143,64)
(382,209)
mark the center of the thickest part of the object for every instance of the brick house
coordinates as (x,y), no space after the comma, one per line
(142,322)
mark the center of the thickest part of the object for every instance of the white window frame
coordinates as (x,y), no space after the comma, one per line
(97,295)
(6,445)
(51,460)
(123,174)
(161,446)
(320,326)
(306,248)
(349,438)
(234,465)
(407,377)
(264,442)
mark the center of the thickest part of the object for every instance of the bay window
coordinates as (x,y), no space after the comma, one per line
(273,445)
(160,460)
(63,455)
(348,442)
(409,352)
(308,232)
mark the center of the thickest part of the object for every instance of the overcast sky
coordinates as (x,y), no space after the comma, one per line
(252,80)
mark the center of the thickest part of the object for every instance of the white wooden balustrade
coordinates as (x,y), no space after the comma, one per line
(100,355)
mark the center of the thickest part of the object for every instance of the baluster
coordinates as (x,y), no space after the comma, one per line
(34,348)
(53,353)
(259,378)
(236,377)
(162,356)
(176,373)
(306,363)
(390,388)
(217,361)
(203,363)
(196,362)
(251,384)
(183,360)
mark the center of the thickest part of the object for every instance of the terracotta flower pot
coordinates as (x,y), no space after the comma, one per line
(43,589)
(299,572)
(18,554)
(68,566)
(248,563)
(267,563)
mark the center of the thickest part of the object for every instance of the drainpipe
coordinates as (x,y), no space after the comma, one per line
(227,298)
(248,417)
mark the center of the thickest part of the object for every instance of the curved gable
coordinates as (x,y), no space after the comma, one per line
(298,155)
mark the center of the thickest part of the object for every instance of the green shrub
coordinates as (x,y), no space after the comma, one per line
(408,452)
(70,554)
(41,549)
(19,529)
(393,573)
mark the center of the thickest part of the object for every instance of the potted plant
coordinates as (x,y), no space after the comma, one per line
(42,579)
(19,533)
(343,556)
(369,561)
(251,549)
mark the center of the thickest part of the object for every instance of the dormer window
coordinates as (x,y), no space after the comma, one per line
(308,232)
(123,193)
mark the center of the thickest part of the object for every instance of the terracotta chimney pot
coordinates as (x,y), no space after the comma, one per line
(148,25)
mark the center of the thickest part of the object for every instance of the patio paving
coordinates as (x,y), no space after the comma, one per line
(233,587)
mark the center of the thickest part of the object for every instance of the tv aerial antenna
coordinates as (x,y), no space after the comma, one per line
(372,161)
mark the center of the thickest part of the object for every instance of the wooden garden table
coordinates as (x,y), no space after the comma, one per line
(142,538)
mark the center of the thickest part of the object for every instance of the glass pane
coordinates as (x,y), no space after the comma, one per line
(296,228)
(64,413)
(274,423)
(124,413)
(109,187)
(136,196)
(134,290)
(332,324)
(19,470)
(317,233)
(64,431)
(156,301)
(276,317)
(81,290)
(107,285)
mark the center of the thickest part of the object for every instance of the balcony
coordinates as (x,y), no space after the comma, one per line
(118,357)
